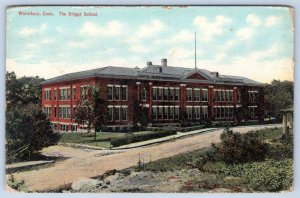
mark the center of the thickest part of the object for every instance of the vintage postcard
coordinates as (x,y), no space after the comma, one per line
(149,98)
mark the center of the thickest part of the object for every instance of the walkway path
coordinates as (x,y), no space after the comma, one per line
(91,163)
(163,139)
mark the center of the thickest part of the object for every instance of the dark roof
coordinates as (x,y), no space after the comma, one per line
(154,72)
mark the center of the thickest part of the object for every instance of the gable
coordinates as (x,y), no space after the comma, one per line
(196,76)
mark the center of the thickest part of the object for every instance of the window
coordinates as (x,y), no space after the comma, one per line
(55,112)
(204,95)
(154,96)
(176,113)
(74,93)
(230,95)
(205,112)
(124,113)
(117,114)
(189,95)
(224,112)
(238,96)
(47,94)
(109,93)
(166,112)
(154,112)
(74,127)
(189,112)
(124,92)
(176,93)
(166,92)
(55,94)
(160,113)
(117,92)
(63,127)
(144,94)
(83,91)
(64,94)
(197,112)
(171,113)
(217,112)
(253,96)
(252,111)
(64,112)
(171,94)
(160,93)
(196,94)
(110,114)
(218,95)
(47,111)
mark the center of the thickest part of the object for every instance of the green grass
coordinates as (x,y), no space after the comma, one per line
(102,139)
(269,134)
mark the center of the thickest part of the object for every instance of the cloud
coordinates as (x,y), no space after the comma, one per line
(146,30)
(210,29)
(269,53)
(150,29)
(78,44)
(46,69)
(271,21)
(228,44)
(253,20)
(112,28)
(47,41)
(136,47)
(26,31)
(221,56)
(244,33)
(181,53)
(182,36)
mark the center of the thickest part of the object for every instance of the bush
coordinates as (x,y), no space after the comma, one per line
(140,137)
(240,148)
(278,152)
(265,176)
(287,138)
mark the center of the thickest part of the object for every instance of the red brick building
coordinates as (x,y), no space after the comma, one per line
(167,92)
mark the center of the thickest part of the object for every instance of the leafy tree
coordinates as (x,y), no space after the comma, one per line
(27,127)
(278,95)
(140,115)
(240,148)
(92,110)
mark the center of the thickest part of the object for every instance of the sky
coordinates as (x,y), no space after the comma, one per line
(255,41)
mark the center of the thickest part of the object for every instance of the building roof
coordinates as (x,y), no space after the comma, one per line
(156,72)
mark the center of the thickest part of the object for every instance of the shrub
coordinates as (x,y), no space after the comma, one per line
(265,176)
(278,151)
(140,137)
(287,138)
(240,148)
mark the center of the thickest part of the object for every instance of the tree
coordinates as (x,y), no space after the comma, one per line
(240,148)
(140,115)
(92,110)
(278,95)
(27,127)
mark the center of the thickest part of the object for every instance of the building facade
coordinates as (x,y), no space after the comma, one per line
(169,94)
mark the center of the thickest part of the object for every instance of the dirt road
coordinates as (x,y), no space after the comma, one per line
(90,163)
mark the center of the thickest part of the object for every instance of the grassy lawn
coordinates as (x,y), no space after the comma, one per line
(102,139)
(268,134)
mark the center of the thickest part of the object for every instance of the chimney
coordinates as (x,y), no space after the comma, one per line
(149,63)
(216,74)
(163,62)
